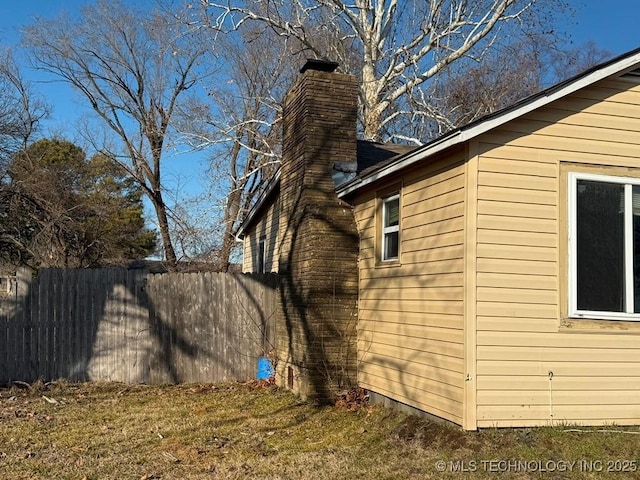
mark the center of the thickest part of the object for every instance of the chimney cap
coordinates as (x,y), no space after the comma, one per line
(319,65)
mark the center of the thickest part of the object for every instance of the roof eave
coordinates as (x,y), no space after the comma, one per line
(273,183)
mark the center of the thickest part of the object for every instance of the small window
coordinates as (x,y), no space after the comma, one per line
(390,227)
(262,254)
(604,247)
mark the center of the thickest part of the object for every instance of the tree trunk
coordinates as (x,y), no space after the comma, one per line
(371,113)
(163,224)
(228,239)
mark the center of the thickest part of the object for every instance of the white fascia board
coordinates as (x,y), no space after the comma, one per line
(463,134)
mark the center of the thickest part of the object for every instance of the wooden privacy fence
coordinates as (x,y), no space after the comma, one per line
(129,326)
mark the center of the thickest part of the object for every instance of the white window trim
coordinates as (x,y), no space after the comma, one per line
(392,229)
(629,182)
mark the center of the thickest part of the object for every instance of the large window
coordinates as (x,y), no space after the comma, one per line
(604,240)
(390,227)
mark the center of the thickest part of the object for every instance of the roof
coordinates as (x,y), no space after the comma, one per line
(626,63)
(378,160)
(368,154)
(273,186)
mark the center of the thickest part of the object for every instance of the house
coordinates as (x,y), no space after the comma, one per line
(497,266)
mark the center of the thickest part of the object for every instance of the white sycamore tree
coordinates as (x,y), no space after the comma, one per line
(396,48)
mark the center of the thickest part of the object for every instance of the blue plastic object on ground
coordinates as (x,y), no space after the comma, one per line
(265,369)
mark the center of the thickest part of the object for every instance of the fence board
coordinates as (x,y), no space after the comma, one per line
(6,308)
(134,327)
(42,327)
(83,320)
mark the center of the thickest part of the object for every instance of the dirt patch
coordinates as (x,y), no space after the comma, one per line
(437,435)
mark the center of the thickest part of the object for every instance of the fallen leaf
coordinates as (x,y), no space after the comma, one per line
(149,476)
(171,457)
(52,401)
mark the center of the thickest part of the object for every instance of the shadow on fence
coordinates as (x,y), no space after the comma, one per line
(129,326)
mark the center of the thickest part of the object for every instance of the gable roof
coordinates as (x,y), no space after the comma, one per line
(378,160)
(627,63)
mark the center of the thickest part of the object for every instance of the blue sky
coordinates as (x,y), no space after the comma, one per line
(186,172)
(612,25)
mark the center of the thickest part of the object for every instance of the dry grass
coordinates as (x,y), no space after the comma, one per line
(114,431)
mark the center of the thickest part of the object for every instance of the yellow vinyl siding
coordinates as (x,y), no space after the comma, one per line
(570,369)
(410,327)
(266,227)
(428,402)
(520,267)
(531,415)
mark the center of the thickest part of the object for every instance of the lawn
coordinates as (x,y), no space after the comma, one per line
(115,431)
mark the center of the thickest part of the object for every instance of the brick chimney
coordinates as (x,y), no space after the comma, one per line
(316,325)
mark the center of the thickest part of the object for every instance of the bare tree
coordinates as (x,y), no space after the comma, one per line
(241,124)
(464,94)
(133,68)
(567,63)
(21,110)
(401,45)
(20,114)
(505,76)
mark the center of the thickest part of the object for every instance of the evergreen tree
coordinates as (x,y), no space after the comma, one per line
(64,210)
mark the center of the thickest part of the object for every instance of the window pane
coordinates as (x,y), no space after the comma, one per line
(600,246)
(390,245)
(261,257)
(391,216)
(636,248)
